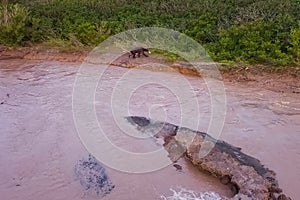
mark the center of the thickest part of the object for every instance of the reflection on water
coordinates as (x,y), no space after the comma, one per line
(39,145)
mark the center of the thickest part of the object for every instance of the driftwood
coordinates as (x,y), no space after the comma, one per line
(245,175)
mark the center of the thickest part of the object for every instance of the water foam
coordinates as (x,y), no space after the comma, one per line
(185,194)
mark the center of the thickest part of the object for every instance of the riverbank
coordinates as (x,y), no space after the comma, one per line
(279,79)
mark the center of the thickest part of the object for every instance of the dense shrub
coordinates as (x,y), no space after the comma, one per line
(256,42)
(255,31)
(203,29)
(12,23)
(295,41)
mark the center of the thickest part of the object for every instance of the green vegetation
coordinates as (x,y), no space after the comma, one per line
(251,31)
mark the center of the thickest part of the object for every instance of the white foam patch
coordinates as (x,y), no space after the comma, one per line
(184,194)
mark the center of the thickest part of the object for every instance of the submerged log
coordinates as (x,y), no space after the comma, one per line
(244,174)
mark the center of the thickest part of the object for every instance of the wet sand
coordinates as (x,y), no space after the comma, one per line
(39,144)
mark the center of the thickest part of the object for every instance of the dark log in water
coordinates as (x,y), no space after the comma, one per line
(244,174)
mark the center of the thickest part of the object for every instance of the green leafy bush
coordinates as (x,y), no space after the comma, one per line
(295,42)
(89,34)
(12,23)
(203,29)
(253,31)
(255,42)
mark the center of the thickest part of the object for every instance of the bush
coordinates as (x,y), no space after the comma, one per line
(295,41)
(253,42)
(12,23)
(203,29)
(89,34)
(260,31)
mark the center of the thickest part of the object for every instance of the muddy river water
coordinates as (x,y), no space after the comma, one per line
(40,149)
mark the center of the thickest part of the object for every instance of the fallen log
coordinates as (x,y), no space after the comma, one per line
(244,174)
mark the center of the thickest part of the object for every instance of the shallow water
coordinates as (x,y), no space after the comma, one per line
(40,146)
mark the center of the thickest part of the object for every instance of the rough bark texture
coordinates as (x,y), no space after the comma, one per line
(245,175)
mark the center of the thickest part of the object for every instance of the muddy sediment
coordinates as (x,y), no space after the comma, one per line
(93,177)
(246,176)
(41,157)
(38,158)
(258,76)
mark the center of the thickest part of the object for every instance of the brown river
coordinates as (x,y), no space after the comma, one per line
(42,156)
